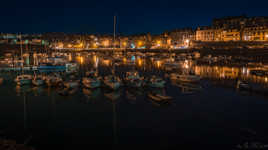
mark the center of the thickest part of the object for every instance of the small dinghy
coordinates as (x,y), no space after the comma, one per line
(158,97)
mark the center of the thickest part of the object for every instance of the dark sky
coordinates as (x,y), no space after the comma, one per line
(96,16)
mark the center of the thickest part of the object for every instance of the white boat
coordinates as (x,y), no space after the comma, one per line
(156,82)
(38,80)
(184,78)
(91,82)
(24,79)
(112,82)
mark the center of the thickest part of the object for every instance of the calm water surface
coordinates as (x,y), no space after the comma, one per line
(216,116)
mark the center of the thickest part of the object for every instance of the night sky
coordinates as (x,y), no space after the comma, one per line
(96,16)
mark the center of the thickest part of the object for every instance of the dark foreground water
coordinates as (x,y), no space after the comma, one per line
(215,117)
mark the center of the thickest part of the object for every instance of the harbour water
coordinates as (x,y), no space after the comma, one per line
(212,113)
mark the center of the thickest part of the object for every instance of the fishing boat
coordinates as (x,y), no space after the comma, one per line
(23,79)
(38,80)
(184,78)
(156,82)
(112,82)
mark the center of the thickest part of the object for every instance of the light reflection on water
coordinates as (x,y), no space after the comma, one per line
(199,114)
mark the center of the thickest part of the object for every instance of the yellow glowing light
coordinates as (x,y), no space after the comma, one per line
(106,62)
(124,59)
(140,43)
(139,62)
(124,43)
(106,43)
(95,45)
(158,42)
(70,57)
(60,45)
(266,79)
(80,59)
(94,58)
(69,45)
(158,64)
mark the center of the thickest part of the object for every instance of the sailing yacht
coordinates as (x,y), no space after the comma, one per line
(23,79)
(113,81)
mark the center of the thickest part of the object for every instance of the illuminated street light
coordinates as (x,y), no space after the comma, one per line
(124,44)
(139,43)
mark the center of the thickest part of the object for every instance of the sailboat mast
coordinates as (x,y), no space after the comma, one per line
(114,29)
(21,50)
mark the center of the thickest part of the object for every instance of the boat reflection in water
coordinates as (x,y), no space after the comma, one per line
(152,80)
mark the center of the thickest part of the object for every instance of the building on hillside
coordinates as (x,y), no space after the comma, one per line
(231,35)
(256,33)
(205,34)
(180,37)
